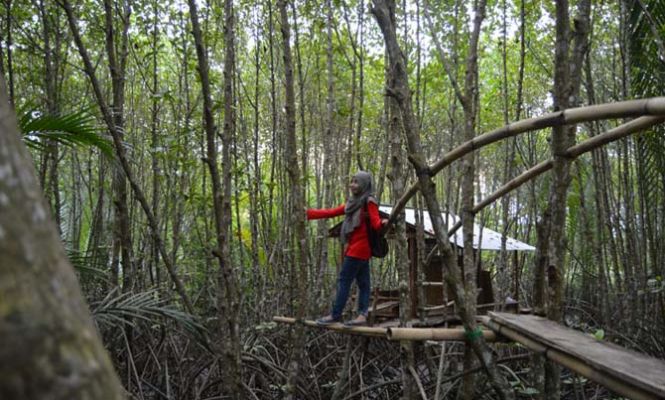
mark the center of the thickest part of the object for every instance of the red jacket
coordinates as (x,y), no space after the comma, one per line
(358,244)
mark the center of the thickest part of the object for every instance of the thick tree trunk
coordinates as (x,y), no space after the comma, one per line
(50,347)
(470,103)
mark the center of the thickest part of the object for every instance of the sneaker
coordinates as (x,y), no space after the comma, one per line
(360,320)
(327,320)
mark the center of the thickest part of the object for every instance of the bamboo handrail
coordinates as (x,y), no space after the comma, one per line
(631,108)
(575,151)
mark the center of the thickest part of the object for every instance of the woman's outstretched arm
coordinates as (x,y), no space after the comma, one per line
(314,213)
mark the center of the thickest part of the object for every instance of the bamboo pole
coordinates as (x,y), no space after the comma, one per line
(337,327)
(632,108)
(619,132)
(573,363)
(436,334)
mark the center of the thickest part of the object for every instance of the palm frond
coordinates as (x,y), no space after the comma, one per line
(87,265)
(647,47)
(74,129)
(647,75)
(132,308)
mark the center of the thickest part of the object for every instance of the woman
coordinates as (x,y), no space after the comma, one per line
(357,250)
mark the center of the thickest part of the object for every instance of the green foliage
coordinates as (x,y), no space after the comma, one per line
(74,129)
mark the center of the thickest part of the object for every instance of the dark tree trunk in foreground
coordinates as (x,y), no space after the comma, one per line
(402,93)
(398,178)
(50,347)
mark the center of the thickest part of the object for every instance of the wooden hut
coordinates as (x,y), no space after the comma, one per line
(385,301)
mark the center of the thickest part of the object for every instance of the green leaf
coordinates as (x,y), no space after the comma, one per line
(528,391)
(599,334)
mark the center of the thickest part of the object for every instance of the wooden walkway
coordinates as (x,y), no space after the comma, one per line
(626,372)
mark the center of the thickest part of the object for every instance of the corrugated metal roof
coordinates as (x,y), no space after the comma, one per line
(491,240)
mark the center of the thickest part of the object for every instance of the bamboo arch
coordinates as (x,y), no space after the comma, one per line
(650,111)
(573,152)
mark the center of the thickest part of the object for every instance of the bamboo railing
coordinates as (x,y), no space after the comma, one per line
(624,109)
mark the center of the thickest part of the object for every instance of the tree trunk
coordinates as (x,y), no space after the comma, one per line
(153,260)
(117,59)
(398,181)
(299,258)
(228,301)
(401,92)
(50,347)
(10,50)
(51,157)
(470,105)
(567,78)
(228,281)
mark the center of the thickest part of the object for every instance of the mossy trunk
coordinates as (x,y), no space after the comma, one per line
(50,347)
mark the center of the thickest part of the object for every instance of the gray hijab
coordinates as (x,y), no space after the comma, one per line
(355,203)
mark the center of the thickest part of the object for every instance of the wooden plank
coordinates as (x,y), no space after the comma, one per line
(383,306)
(639,370)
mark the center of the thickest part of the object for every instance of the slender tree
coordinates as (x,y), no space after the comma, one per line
(567,79)
(296,217)
(228,302)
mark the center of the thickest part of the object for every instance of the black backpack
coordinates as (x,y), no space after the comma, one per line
(377,241)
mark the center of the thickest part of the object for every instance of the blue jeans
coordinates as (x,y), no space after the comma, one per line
(352,268)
